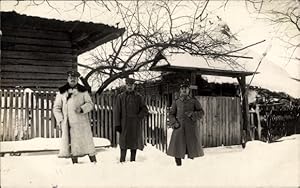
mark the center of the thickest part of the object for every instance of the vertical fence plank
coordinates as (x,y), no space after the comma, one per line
(155,128)
(109,109)
(16,118)
(30,118)
(5,115)
(98,115)
(36,115)
(218,132)
(238,113)
(27,115)
(159,124)
(22,114)
(106,116)
(47,111)
(10,116)
(102,115)
(227,121)
(204,125)
(223,121)
(93,118)
(42,116)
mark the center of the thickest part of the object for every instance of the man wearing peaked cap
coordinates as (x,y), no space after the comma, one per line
(73,73)
(129,81)
(71,107)
(185,83)
(183,115)
(129,111)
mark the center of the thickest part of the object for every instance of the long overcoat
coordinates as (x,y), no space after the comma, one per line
(77,138)
(185,138)
(129,110)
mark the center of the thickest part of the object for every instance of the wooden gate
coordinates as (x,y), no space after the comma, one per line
(221,124)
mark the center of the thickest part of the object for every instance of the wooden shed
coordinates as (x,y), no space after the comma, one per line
(226,120)
(37,52)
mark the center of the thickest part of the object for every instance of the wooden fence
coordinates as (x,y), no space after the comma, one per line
(25,115)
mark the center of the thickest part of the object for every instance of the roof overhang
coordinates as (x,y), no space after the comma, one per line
(84,36)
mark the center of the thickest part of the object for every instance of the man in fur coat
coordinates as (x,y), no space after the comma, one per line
(185,138)
(71,107)
(129,110)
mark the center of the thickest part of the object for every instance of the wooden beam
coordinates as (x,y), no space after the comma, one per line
(35,33)
(36,41)
(35,62)
(36,55)
(50,83)
(36,48)
(30,75)
(245,111)
(34,69)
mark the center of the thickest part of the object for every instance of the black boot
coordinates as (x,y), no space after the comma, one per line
(132,154)
(93,159)
(178,161)
(123,155)
(74,160)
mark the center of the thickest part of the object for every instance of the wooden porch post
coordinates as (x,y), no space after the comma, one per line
(245,111)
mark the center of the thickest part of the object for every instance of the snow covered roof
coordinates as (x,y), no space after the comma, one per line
(185,61)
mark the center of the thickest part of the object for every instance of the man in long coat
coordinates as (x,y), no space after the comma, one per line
(185,139)
(71,107)
(129,110)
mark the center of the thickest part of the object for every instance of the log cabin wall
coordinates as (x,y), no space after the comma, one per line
(35,58)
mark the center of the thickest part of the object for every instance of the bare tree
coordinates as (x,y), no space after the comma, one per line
(286,16)
(154,29)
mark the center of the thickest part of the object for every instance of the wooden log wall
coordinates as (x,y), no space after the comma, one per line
(34,58)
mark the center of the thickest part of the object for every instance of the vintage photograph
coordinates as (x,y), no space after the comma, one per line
(149,94)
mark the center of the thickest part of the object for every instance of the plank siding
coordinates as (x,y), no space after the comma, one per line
(36,48)
(34,33)
(45,62)
(35,41)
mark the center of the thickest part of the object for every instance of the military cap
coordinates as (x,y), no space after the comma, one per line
(73,73)
(185,83)
(129,81)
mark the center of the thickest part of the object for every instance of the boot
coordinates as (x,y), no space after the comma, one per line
(93,159)
(123,155)
(178,161)
(132,155)
(74,160)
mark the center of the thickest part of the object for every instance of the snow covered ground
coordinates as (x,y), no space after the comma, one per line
(260,164)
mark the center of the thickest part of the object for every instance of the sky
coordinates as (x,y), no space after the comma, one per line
(258,165)
(249,28)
